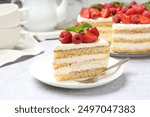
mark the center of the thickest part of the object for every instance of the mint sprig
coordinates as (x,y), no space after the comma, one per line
(80,28)
(147,5)
(97,6)
(118,3)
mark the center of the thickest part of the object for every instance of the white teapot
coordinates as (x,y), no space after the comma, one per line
(43,15)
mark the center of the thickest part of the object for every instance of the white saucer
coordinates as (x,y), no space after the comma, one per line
(42,71)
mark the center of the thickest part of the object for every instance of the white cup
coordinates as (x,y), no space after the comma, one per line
(10,37)
(12,16)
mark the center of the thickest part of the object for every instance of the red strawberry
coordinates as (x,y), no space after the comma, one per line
(146,14)
(77,38)
(113,10)
(130,12)
(105,13)
(89,37)
(94,13)
(118,8)
(135,19)
(116,19)
(76,24)
(144,20)
(94,31)
(133,3)
(124,9)
(65,37)
(85,13)
(138,9)
(108,5)
(125,18)
(143,6)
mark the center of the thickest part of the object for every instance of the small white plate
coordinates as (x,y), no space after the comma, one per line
(42,70)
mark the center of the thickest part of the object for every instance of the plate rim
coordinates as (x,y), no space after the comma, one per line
(135,55)
(113,76)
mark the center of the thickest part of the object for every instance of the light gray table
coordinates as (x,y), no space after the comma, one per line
(17,83)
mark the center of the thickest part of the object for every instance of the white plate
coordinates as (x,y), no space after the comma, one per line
(42,71)
(129,55)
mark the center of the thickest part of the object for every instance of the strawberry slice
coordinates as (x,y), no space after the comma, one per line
(146,13)
(94,13)
(131,11)
(94,31)
(113,10)
(85,13)
(89,37)
(144,20)
(135,19)
(105,13)
(108,5)
(125,18)
(138,9)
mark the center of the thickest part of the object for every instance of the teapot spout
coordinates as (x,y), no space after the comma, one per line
(62,11)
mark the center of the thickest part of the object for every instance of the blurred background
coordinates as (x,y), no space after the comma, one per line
(75,6)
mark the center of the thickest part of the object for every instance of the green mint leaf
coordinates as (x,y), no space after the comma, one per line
(97,6)
(147,4)
(118,3)
(72,28)
(80,28)
(86,25)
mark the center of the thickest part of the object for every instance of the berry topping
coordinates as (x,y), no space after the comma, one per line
(116,19)
(130,12)
(146,14)
(124,9)
(125,18)
(85,13)
(144,20)
(76,24)
(135,19)
(81,33)
(77,38)
(113,10)
(94,31)
(105,13)
(138,9)
(143,6)
(108,5)
(65,37)
(94,13)
(89,37)
(133,3)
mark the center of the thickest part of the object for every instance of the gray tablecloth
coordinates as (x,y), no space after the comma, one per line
(17,83)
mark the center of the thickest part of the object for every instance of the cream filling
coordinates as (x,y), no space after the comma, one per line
(100,42)
(130,26)
(135,36)
(81,19)
(131,46)
(82,66)
(81,58)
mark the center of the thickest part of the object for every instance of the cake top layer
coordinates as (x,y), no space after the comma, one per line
(100,19)
(99,42)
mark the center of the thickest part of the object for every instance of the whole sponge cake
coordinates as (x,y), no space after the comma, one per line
(131,38)
(132,33)
(100,15)
(84,57)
